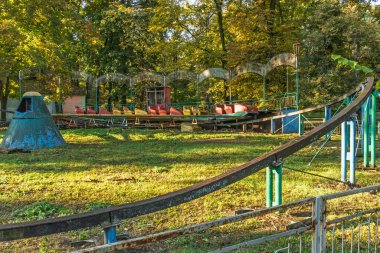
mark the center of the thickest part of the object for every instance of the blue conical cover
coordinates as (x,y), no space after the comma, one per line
(32,126)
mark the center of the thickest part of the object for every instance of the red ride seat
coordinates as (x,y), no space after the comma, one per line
(174,111)
(229,109)
(254,108)
(152,110)
(78,110)
(240,108)
(161,109)
(103,111)
(219,109)
(90,110)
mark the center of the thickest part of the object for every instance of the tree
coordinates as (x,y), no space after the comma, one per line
(333,28)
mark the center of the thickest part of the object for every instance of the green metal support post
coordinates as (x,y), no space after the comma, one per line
(301,126)
(96,96)
(372,130)
(20,83)
(365,133)
(264,93)
(344,148)
(59,95)
(278,184)
(297,84)
(230,80)
(197,91)
(131,106)
(327,118)
(276,171)
(269,187)
(296,48)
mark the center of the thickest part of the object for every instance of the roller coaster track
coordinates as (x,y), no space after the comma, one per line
(113,215)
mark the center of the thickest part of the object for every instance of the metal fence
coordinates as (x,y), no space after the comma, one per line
(323,231)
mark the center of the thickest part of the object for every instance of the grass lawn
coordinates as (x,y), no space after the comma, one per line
(97,169)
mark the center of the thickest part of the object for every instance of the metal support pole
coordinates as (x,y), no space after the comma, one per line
(300,125)
(20,83)
(59,95)
(297,83)
(272,126)
(230,80)
(197,91)
(131,106)
(365,127)
(327,117)
(319,232)
(276,170)
(278,184)
(316,219)
(352,153)
(269,187)
(343,154)
(348,138)
(96,96)
(372,130)
(264,93)
(109,234)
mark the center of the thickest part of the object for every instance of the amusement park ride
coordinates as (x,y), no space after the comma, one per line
(160,110)
(157,107)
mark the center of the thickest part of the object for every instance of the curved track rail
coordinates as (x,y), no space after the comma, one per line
(112,215)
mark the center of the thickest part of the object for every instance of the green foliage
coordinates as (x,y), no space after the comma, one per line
(52,38)
(333,28)
(40,210)
(353,65)
(378,85)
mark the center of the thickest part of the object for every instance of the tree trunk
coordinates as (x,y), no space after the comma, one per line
(219,11)
(271,25)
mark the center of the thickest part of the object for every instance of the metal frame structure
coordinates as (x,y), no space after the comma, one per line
(284,59)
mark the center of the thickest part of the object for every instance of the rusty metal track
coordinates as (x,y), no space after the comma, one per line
(114,214)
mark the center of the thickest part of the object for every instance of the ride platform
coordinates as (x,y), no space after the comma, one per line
(149,120)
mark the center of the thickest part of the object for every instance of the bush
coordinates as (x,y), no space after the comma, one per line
(40,210)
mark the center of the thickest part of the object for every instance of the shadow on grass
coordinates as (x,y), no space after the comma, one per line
(139,153)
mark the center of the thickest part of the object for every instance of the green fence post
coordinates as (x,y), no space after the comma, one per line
(373,130)
(278,184)
(269,187)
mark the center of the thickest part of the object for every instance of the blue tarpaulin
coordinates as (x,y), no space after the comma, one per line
(289,124)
